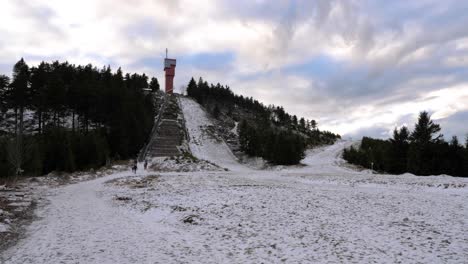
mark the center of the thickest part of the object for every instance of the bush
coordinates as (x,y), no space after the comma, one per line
(282,147)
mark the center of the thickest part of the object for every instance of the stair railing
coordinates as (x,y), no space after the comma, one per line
(157,123)
(186,134)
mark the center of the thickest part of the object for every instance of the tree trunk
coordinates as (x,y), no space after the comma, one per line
(73,121)
(40,121)
(20,140)
(86,123)
(16,120)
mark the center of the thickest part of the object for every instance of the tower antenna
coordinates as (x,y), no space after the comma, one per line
(166,53)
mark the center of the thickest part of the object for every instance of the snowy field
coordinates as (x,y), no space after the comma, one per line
(324,212)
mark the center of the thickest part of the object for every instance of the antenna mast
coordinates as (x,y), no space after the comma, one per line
(166,53)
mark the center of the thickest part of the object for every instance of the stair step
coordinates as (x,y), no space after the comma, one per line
(168,125)
(156,145)
(171,139)
(164,154)
(175,140)
(169,133)
(167,144)
(169,128)
(162,138)
(164,150)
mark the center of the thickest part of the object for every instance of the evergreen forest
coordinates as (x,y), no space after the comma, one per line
(422,151)
(62,117)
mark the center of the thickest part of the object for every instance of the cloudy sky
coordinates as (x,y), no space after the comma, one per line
(357,67)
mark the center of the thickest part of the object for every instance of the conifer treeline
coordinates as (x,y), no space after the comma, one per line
(268,132)
(421,152)
(58,116)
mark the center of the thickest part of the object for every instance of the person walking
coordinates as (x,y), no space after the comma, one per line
(135,166)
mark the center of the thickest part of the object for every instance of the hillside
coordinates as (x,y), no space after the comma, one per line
(249,127)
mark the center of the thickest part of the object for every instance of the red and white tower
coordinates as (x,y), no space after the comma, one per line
(169,68)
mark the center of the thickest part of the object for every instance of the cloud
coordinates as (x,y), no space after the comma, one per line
(455,125)
(357,67)
(210,61)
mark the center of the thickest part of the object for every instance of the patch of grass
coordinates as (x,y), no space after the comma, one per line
(192,219)
(135,183)
(189,156)
(123,198)
(177,208)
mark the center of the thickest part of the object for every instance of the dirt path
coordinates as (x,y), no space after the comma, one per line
(80,225)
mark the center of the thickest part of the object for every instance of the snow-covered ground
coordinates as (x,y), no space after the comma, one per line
(323,212)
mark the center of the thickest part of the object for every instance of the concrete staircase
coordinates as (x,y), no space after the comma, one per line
(168,133)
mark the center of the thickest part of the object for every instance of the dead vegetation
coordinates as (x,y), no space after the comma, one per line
(185,163)
(16,211)
(123,198)
(192,219)
(135,182)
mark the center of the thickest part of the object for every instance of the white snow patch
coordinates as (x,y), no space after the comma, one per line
(3,228)
(234,129)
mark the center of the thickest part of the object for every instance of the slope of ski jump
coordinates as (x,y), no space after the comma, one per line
(202,144)
(327,159)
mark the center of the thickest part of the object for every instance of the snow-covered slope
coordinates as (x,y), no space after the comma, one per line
(327,159)
(202,144)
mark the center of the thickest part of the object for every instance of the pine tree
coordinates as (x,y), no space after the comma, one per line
(455,157)
(244,136)
(302,123)
(424,130)
(313,124)
(216,111)
(154,85)
(191,87)
(420,158)
(4,83)
(465,163)
(454,142)
(39,83)
(294,120)
(400,144)
(19,98)
(56,94)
